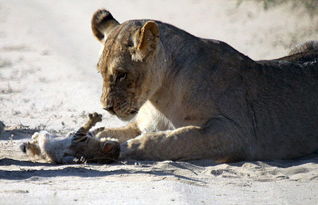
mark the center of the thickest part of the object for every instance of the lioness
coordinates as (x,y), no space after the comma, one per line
(195,98)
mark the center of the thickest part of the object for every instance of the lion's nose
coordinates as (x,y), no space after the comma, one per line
(110,109)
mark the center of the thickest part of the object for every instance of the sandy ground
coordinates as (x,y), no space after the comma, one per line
(48,81)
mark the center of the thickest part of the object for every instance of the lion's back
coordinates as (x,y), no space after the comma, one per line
(304,47)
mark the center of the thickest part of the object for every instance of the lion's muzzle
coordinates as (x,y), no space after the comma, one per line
(110,109)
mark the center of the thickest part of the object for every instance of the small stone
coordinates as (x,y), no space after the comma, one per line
(45,52)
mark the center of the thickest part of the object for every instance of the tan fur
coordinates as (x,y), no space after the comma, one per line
(179,88)
(99,27)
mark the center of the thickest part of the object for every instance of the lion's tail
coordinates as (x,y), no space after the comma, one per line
(304,47)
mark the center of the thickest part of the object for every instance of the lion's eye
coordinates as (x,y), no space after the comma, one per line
(121,76)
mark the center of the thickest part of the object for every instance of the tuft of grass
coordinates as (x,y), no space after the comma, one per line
(311,6)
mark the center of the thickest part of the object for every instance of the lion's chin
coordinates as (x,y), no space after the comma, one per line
(126,117)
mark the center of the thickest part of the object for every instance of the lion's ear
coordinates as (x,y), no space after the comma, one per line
(145,41)
(102,24)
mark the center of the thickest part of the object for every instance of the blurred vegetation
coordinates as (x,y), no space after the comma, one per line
(310,5)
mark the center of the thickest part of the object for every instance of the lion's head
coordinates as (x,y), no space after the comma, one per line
(126,63)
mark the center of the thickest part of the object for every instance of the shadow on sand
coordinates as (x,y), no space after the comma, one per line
(17,133)
(28,170)
(79,171)
(312,158)
(8,162)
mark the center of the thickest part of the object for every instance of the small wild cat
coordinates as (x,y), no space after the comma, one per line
(78,147)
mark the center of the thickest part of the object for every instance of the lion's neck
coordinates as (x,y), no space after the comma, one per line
(181,59)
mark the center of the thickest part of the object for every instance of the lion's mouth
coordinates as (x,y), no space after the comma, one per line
(133,112)
(126,117)
(126,114)
(123,110)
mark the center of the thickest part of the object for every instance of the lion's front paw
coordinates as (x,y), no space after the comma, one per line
(96,131)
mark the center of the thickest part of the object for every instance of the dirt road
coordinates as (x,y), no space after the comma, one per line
(48,80)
